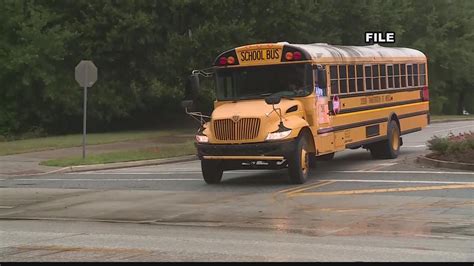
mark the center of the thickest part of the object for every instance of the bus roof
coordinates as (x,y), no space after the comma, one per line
(252,54)
(321,50)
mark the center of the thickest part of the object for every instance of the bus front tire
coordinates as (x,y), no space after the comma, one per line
(298,163)
(389,148)
(212,171)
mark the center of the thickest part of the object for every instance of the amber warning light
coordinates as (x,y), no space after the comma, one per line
(226,60)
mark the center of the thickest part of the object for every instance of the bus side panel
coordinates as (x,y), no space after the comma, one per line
(325,143)
(411,124)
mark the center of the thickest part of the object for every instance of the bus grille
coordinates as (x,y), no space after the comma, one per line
(245,128)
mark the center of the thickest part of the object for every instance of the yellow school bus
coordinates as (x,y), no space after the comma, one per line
(282,105)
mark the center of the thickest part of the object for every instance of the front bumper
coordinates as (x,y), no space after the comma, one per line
(275,150)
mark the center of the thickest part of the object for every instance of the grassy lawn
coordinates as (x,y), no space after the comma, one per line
(66,141)
(167,151)
(451,117)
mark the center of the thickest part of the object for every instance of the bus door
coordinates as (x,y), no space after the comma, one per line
(324,140)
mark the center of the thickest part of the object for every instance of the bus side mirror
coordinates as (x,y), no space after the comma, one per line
(194,81)
(272,100)
(321,77)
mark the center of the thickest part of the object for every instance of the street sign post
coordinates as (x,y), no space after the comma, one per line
(86,75)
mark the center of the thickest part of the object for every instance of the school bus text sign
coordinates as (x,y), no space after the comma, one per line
(259,54)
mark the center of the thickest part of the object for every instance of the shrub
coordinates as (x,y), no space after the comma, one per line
(452,143)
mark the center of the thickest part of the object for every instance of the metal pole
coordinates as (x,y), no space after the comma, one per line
(84,125)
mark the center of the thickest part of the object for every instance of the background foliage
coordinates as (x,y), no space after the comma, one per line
(145,49)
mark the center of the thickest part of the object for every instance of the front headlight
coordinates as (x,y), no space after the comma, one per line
(202,138)
(278,135)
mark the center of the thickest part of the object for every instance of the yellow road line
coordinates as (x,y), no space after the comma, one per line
(382,190)
(310,187)
(298,187)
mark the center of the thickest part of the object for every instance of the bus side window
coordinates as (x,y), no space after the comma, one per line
(343,78)
(383,77)
(334,80)
(422,74)
(368,78)
(390,76)
(360,78)
(410,75)
(375,75)
(352,86)
(403,75)
(415,74)
(396,75)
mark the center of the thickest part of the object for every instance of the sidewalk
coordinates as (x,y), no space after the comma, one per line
(28,163)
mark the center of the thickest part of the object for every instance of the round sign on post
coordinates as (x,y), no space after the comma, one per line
(86,75)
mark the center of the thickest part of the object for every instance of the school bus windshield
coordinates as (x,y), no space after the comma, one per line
(261,81)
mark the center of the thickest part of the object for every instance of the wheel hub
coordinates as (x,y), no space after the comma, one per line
(304,161)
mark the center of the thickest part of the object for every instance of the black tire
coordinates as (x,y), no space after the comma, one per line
(298,163)
(325,157)
(389,148)
(212,171)
(312,161)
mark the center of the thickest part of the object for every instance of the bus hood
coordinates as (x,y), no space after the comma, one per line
(252,108)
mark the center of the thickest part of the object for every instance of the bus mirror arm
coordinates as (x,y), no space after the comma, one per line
(198,116)
(278,112)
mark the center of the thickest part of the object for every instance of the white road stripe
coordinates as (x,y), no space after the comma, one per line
(195,179)
(396,181)
(161,173)
(415,146)
(403,172)
(7,207)
(108,179)
(387,164)
(139,173)
(452,128)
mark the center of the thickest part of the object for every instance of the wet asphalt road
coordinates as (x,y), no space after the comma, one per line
(351,209)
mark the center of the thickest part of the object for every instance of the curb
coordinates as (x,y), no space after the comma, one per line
(109,166)
(450,120)
(446,164)
(93,167)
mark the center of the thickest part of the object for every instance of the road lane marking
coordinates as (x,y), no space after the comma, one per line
(378,166)
(298,187)
(415,146)
(7,207)
(160,172)
(139,173)
(402,172)
(451,129)
(109,179)
(321,184)
(382,190)
(397,181)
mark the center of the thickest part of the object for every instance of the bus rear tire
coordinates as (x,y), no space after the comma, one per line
(212,171)
(298,163)
(389,148)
